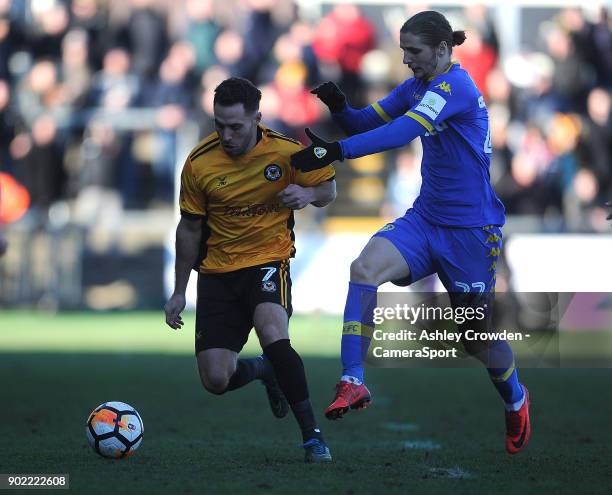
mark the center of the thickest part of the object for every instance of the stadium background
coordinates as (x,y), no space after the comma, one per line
(100,102)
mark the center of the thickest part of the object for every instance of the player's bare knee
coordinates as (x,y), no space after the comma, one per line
(215,383)
(272,333)
(362,272)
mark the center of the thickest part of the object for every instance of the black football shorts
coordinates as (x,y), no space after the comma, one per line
(226,303)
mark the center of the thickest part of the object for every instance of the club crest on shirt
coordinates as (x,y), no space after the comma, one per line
(387,227)
(268,286)
(320,152)
(273,172)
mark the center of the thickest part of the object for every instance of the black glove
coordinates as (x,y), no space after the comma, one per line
(318,155)
(609,205)
(331,95)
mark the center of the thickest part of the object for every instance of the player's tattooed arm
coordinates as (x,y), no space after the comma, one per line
(297,197)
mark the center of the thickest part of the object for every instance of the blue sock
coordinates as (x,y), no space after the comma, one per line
(358,327)
(503,373)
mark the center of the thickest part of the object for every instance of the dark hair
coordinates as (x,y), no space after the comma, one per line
(238,90)
(433,28)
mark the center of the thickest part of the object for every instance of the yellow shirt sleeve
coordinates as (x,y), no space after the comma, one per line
(314,177)
(192,198)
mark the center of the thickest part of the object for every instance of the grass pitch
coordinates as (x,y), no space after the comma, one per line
(428,430)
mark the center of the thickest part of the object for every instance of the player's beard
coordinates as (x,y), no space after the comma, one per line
(434,65)
(243,147)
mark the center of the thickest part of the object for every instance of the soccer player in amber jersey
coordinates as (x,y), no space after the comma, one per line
(454,227)
(238,193)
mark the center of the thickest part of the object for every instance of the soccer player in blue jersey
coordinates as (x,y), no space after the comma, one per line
(453,229)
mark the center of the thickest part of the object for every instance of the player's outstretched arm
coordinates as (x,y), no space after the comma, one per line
(188,238)
(353,121)
(297,197)
(396,133)
(392,135)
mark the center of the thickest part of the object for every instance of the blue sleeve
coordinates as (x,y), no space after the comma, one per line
(353,121)
(392,135)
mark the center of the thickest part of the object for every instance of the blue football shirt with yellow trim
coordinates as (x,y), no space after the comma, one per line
(454,128)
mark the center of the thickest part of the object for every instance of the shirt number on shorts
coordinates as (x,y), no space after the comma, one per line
(479,286)
(271,270)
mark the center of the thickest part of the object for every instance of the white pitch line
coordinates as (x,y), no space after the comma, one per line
(453,473)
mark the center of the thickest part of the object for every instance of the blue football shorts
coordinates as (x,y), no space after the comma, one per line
(464,258)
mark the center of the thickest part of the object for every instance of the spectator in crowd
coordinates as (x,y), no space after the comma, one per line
(3,241)
(115,87)
(202,31)
(146,37)
(75,72)
(261,33)
(171,96)
(596,138)
(343,37)
(40,164)
(7,126)
(48,24)
(92,17)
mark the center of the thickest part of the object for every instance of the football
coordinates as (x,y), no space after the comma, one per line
(114,430)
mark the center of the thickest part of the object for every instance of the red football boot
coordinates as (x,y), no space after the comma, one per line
(518,427)
(348,396)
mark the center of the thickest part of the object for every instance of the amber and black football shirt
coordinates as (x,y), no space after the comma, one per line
(237,197)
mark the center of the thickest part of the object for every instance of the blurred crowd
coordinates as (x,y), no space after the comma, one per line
(97,98)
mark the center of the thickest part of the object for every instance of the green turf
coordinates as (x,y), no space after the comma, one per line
(199,443)
(140,332)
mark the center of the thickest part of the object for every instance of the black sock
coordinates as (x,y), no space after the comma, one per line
(289,371)
(305,417)
(247,370)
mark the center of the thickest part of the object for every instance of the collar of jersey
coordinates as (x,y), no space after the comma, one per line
(449,67)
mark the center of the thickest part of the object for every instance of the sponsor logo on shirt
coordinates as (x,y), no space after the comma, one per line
(431,105)
(255,210)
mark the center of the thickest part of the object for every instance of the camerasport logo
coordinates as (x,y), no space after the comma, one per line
(273,172)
